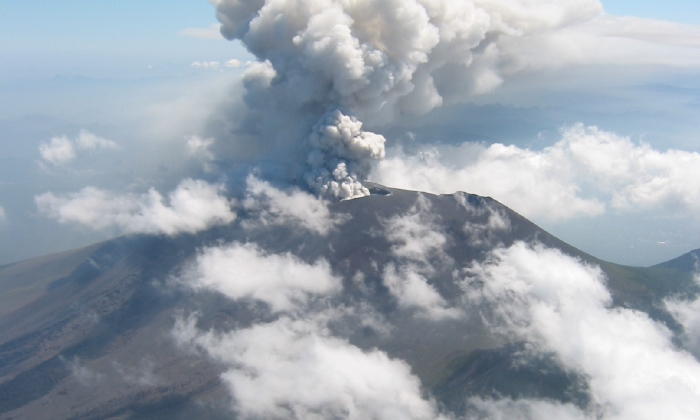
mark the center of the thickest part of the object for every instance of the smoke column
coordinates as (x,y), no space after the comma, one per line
(339,63)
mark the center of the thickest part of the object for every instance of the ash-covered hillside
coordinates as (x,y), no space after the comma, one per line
(398,305)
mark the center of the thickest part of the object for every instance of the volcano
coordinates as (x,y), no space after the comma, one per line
(170,327)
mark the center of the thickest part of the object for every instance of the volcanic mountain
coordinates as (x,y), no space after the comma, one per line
(273,316)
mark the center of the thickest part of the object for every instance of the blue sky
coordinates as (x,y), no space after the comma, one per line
(685,11)
(123,71)
(121,39)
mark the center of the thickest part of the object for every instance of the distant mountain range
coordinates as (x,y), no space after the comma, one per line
(97,333)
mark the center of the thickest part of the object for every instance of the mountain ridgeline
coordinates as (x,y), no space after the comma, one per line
(92,333)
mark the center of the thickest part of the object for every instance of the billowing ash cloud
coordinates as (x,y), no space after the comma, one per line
(192,207)
(337,63)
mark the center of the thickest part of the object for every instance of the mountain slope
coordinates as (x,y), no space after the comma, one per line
(88,334)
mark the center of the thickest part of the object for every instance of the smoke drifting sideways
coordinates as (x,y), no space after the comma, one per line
(328,67)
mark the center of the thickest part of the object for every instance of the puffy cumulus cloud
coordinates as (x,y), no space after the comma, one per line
(192,207)
(209,65)
(613,171)
(89,141)
(200,148)
(58,151)
(335,63)
(293,207)
(233,63)
(61,150)
(415,235)
(412,291)
(561,306)
(283,282)
(294,369)
(211,32)
(638,175)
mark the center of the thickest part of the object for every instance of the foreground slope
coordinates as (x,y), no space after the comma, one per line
(88,334)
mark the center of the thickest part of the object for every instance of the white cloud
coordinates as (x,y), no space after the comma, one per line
(200,148)
(293,207)
(193,206)
(143,374)
(293,369)
(687,313)
(211,32)
(61,150)
(484,235)
(562,307)
(612,170)
(210,65)
(414,235)
(83,374)
(417,241)
(58,151)
(232,63)
(3,215)
(412,291)
(284,282)
(88,141)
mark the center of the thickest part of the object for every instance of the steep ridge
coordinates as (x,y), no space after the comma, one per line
(93,336)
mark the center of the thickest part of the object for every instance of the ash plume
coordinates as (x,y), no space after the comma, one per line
(336,64)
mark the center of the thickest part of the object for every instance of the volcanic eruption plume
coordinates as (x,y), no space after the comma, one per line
(335,64)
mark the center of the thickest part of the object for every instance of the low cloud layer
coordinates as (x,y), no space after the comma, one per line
(294,369)
(562,307)
(62,150)
(586,173)
(192,207)
(283,282)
